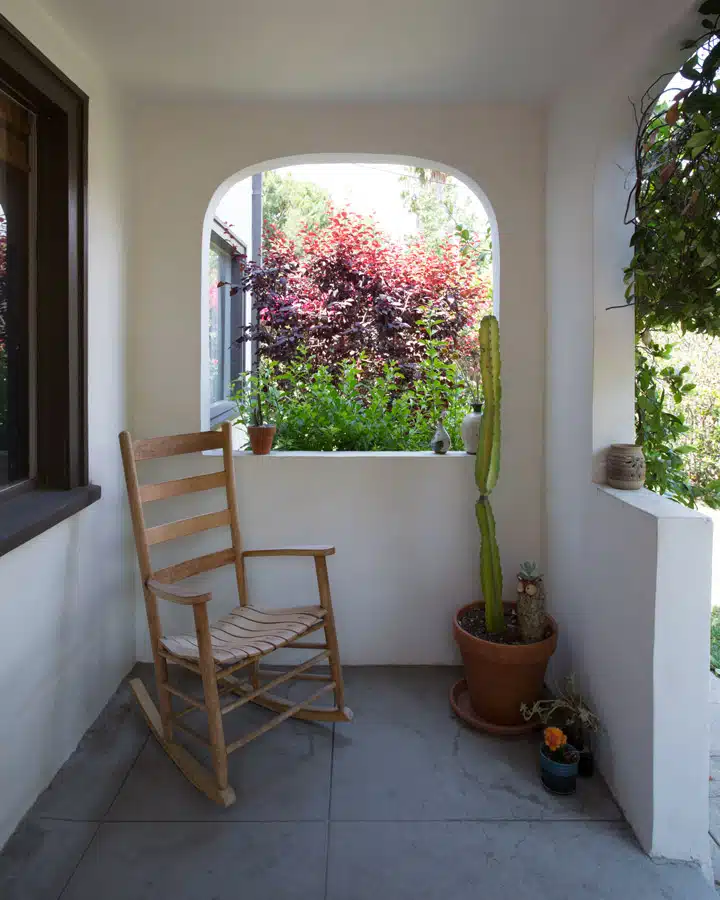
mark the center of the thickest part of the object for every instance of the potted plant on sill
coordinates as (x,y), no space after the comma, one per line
(252,398)
(260,433)
(558,762)
(501,670)
(569,710)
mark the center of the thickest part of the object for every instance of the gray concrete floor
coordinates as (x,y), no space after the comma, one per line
(405,804)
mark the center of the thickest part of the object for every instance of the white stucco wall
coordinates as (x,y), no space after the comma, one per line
(619,573)
(415,503)
(407,547)
(66,609)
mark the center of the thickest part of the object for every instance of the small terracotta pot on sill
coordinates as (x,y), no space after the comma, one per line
(261,438)
(501,677)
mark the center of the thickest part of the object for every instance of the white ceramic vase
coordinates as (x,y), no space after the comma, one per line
(470,428)
(440,443)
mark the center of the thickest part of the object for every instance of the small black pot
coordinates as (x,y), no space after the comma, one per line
(586,764)
(558,777)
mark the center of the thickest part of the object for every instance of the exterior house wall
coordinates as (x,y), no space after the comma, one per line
(619,564)
(66,608)
(407,540)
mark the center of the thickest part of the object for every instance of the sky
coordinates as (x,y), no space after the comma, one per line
(366,188)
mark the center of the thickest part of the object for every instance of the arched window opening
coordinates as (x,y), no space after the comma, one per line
(343,303)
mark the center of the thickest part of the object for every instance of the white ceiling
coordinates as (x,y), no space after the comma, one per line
(500,50)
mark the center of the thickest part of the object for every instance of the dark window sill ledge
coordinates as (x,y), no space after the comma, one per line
(27,515)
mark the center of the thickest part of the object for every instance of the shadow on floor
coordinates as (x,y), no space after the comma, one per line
(406,804)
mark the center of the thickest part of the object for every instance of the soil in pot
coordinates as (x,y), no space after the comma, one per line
(501,673)
(472,620)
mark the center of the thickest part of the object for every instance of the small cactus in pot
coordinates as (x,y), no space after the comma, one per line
(531,603)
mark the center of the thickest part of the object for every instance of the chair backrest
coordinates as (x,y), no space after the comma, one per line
(139,494)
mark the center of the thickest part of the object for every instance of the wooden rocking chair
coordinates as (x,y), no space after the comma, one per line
(235,642)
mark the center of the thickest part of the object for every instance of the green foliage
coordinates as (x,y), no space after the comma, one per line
(442,212)
(487,469)
(529,571)
(660,426)
(316,409)
(291,206)
(699,408)
(715,640)
(674,276)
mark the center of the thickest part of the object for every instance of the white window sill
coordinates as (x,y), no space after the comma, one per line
(344,454)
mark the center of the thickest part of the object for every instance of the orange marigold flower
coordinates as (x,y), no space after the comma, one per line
(554,738)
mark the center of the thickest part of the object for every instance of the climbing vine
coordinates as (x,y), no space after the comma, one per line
(674,276)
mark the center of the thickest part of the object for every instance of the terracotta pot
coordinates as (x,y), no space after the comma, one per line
(500,677)
(261,438)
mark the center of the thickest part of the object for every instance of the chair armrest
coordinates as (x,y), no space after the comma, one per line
(187,594)
(321,550)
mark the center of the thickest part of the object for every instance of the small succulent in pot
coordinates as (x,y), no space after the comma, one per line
(571,711)
(558,762)
(531,603)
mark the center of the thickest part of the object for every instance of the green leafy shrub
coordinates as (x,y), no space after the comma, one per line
(316,409)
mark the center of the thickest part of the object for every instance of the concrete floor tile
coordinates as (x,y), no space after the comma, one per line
(202,861)
(497,861)
(402,695)
(425,772)
(87,784)
(284,775)
(40,857)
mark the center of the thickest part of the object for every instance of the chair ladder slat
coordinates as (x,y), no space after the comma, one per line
(195,566)
(161,490)
(176,444)
(185,527)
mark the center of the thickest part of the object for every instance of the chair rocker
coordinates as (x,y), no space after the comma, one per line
(220,651)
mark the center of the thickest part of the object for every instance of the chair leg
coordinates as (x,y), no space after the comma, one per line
(330,631)
(212,697)
(164,696)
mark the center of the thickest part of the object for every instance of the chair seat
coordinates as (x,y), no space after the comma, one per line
(248,631)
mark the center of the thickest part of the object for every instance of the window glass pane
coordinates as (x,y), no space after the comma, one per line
(16,124)
(215,296)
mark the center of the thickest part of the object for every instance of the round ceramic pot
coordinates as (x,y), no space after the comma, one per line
(558,777)
(470,429)
(501,677)
(261,438)
(625,467)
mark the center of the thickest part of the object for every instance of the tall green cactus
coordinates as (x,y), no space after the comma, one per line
(487,469)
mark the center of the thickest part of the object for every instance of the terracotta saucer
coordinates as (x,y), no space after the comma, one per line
(460,702)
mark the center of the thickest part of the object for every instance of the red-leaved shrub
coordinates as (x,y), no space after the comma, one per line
(349,292)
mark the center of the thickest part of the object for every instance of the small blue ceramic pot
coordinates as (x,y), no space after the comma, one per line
(558,778)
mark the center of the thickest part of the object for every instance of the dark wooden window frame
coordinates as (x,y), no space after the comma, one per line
(60,486)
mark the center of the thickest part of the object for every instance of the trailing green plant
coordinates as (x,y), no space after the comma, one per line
(674,275)
(487,469)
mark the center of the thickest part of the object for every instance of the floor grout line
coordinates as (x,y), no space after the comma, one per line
(77,865)
(127,775)
(329,813)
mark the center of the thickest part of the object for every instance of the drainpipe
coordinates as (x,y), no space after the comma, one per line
(255,250)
